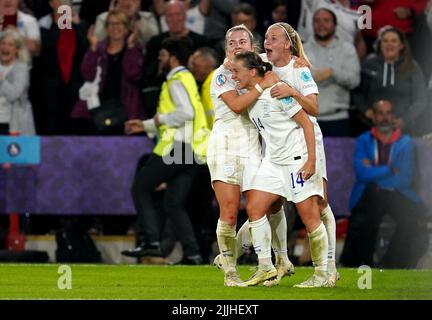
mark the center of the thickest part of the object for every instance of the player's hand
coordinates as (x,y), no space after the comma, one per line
(270,79)
(282,90)
(300,63)
(91,37)
(134,126)
(308,170)
(228,64)
(133,37)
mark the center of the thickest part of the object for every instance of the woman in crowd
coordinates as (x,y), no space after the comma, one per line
(16,113)
(121,62)
(392,74)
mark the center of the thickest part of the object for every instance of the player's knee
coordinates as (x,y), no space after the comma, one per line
(229,209)
(254,211)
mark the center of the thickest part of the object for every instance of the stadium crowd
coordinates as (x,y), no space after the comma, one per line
(51,78)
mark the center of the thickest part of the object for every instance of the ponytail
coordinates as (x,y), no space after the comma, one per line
(252,60)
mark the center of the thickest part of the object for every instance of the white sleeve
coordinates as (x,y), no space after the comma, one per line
(305,82)
(222,82)
(150,126)
(290,106)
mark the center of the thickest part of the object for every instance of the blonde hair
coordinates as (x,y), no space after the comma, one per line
(294,38)
(124,19)
(242,27)
(23,54)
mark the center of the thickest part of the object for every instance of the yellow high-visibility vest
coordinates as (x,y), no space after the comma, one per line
(166,105)
(207,101)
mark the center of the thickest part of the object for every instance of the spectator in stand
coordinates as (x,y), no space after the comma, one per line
(336,70)
(219,19)
(244,14)
(398,13)
(195,16)
(121,60)
(202,63)
(16,113)
(384,168)
(56,72)
(26,24)
(144,21)
(175,14)
(392,74)
(347,18)
(278,13)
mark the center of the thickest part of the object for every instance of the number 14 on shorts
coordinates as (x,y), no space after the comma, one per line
(298,180)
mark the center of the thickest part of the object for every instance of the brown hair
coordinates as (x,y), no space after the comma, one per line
(242,27)
(407,61)
(251,60)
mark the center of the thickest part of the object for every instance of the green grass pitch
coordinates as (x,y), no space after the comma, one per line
(40,281)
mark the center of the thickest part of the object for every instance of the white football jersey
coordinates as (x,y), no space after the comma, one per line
(283,137)
(301,79)
(232,133)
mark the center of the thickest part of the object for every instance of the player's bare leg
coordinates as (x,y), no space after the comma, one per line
(329,221)
(318,242)
(277,220)
(228,197)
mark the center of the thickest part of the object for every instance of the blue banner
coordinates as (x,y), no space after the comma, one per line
(20,150)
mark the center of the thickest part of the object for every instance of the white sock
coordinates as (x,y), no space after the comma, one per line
(261,238)
(329,221)
(318,244)
(278,226)
(243,239)
(227,244)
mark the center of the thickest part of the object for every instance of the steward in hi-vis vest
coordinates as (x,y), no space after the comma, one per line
(181,126)
(199,126)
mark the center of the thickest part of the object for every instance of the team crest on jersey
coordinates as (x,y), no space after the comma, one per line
(220,80)
(287,100)
(306,76)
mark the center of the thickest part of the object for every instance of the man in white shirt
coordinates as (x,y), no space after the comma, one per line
(347,18)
